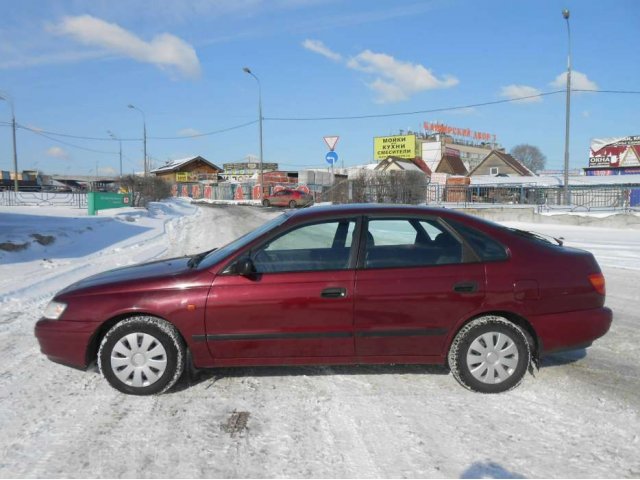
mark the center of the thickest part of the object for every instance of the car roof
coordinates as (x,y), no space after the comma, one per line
(366,209)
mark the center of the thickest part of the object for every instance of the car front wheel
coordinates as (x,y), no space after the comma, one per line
(142,356)
(292,204)
(489,355)
(265,203)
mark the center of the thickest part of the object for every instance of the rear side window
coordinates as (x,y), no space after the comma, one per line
(411,242)
(485,247)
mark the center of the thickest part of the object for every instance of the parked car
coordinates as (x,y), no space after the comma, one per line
(350,284)
(288,198)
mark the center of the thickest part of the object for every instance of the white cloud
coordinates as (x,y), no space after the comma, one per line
(58,152)
(166,51)
(579,81)
(318,47)
(189,132)
(393,80)
(514,92)
(397,80)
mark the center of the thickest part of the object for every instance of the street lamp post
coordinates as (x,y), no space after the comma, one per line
(247,70)
(112,135)
(144,126)
(567,199)
(8,99)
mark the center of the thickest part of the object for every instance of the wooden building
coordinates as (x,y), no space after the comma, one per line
(498,163)
(191,169)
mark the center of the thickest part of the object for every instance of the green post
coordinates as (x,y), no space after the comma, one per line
(91,203)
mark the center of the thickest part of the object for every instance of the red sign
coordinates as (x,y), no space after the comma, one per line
(460,132)
(331,142)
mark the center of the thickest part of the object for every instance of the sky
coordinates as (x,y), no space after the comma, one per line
(71,68)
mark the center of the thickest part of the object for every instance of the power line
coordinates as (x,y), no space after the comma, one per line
(399,114)
(215,132)
(109,139)
(69,144)
(44,133)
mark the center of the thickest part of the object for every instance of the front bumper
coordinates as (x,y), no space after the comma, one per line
(571,330)
(65,342)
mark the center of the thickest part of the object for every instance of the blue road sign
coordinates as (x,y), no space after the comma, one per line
(331,157)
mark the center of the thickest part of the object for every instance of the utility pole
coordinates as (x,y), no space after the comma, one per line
(8,99)
(112,135)
(567,199)
(247,70)
(144,138)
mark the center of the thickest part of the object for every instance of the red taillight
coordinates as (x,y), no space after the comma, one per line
(597,282)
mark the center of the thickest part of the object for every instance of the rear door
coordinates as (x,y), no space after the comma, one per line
(414,283)
(299,304)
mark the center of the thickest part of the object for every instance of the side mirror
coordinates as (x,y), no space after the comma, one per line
(245,267)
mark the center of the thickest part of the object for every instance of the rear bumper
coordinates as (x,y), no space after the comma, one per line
(65,342)
(571,330)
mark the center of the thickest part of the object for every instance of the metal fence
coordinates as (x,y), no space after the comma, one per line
(12,198)
(614,197)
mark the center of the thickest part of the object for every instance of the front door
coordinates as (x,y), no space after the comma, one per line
(298,304)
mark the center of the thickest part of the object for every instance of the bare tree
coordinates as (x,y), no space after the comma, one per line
(530,156)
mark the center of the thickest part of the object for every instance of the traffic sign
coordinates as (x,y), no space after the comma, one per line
(331,157)
(331,142)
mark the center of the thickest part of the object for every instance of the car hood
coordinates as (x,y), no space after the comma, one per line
(160,268)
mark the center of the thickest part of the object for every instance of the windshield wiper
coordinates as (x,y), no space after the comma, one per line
(195,260)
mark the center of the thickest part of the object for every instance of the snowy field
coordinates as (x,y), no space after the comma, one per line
(579,416)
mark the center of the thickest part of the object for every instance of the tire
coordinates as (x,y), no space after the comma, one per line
(265,203)
(489,355)
(293,204)
(142,356)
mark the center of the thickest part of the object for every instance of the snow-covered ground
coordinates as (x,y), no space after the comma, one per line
(578,418)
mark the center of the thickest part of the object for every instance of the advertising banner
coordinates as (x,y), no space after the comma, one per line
(615,152)
(401,146)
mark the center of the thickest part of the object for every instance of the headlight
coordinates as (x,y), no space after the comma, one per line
(54,310)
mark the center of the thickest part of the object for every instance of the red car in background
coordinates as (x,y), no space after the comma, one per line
(288,198)
(349,284)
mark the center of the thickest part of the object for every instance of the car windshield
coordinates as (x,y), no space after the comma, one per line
(219,254)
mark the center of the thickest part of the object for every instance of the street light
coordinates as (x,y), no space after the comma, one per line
(8,99)
(144,125)
(247,70)
(112,135)
(565,15)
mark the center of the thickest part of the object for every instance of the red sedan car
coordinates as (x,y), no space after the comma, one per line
(351,284)
(288,198)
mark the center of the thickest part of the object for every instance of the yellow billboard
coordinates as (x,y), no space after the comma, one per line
(182,176)
(401,146)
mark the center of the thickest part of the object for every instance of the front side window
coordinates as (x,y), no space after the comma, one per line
(396,243)
(315,247)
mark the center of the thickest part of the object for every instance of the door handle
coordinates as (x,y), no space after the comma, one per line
(465,287)
(334,293)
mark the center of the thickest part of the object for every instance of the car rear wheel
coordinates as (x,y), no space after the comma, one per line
(265,203)
(142,356)
(292,204)
(489,355)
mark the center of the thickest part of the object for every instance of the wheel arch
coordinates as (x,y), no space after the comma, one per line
(529,332)
(91,354)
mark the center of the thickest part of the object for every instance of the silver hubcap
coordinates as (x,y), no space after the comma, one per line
(492,357)
(138,359)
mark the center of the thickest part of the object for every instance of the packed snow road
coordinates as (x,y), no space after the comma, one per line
(578,418)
